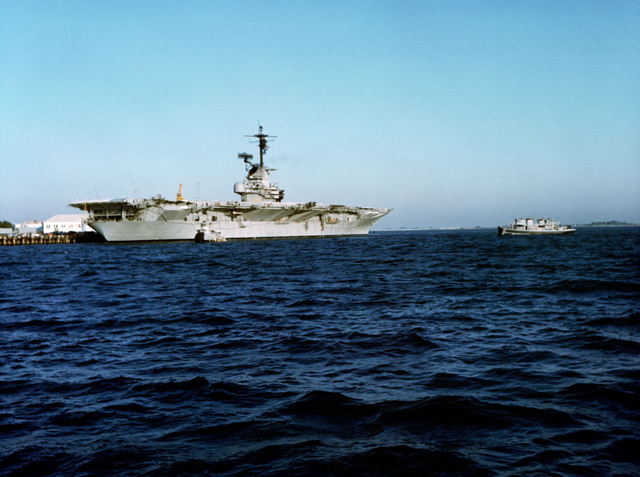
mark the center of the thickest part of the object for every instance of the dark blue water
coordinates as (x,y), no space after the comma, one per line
(417,353)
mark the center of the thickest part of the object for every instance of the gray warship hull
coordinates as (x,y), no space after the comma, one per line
(136,220)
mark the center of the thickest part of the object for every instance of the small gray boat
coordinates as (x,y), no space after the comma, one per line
(535,227)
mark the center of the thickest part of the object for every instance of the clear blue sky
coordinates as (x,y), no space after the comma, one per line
(452,113)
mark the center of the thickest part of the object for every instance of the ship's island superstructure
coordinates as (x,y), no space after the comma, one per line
(260,213)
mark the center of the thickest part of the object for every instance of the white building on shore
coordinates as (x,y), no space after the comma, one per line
(65,223)
(28,228)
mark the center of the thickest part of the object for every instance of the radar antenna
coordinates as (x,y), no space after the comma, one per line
(262,140)
(247,159)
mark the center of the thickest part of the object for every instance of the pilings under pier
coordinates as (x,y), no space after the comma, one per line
(37,239)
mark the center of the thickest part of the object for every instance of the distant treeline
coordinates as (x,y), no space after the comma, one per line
(5,224)
(610,222)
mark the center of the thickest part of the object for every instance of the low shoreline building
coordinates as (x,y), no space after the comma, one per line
(29,228)
(65,223)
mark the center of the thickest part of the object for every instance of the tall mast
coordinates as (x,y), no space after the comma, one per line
(262,139)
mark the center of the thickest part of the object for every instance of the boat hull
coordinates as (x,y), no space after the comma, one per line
(236,229)
(507,231)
